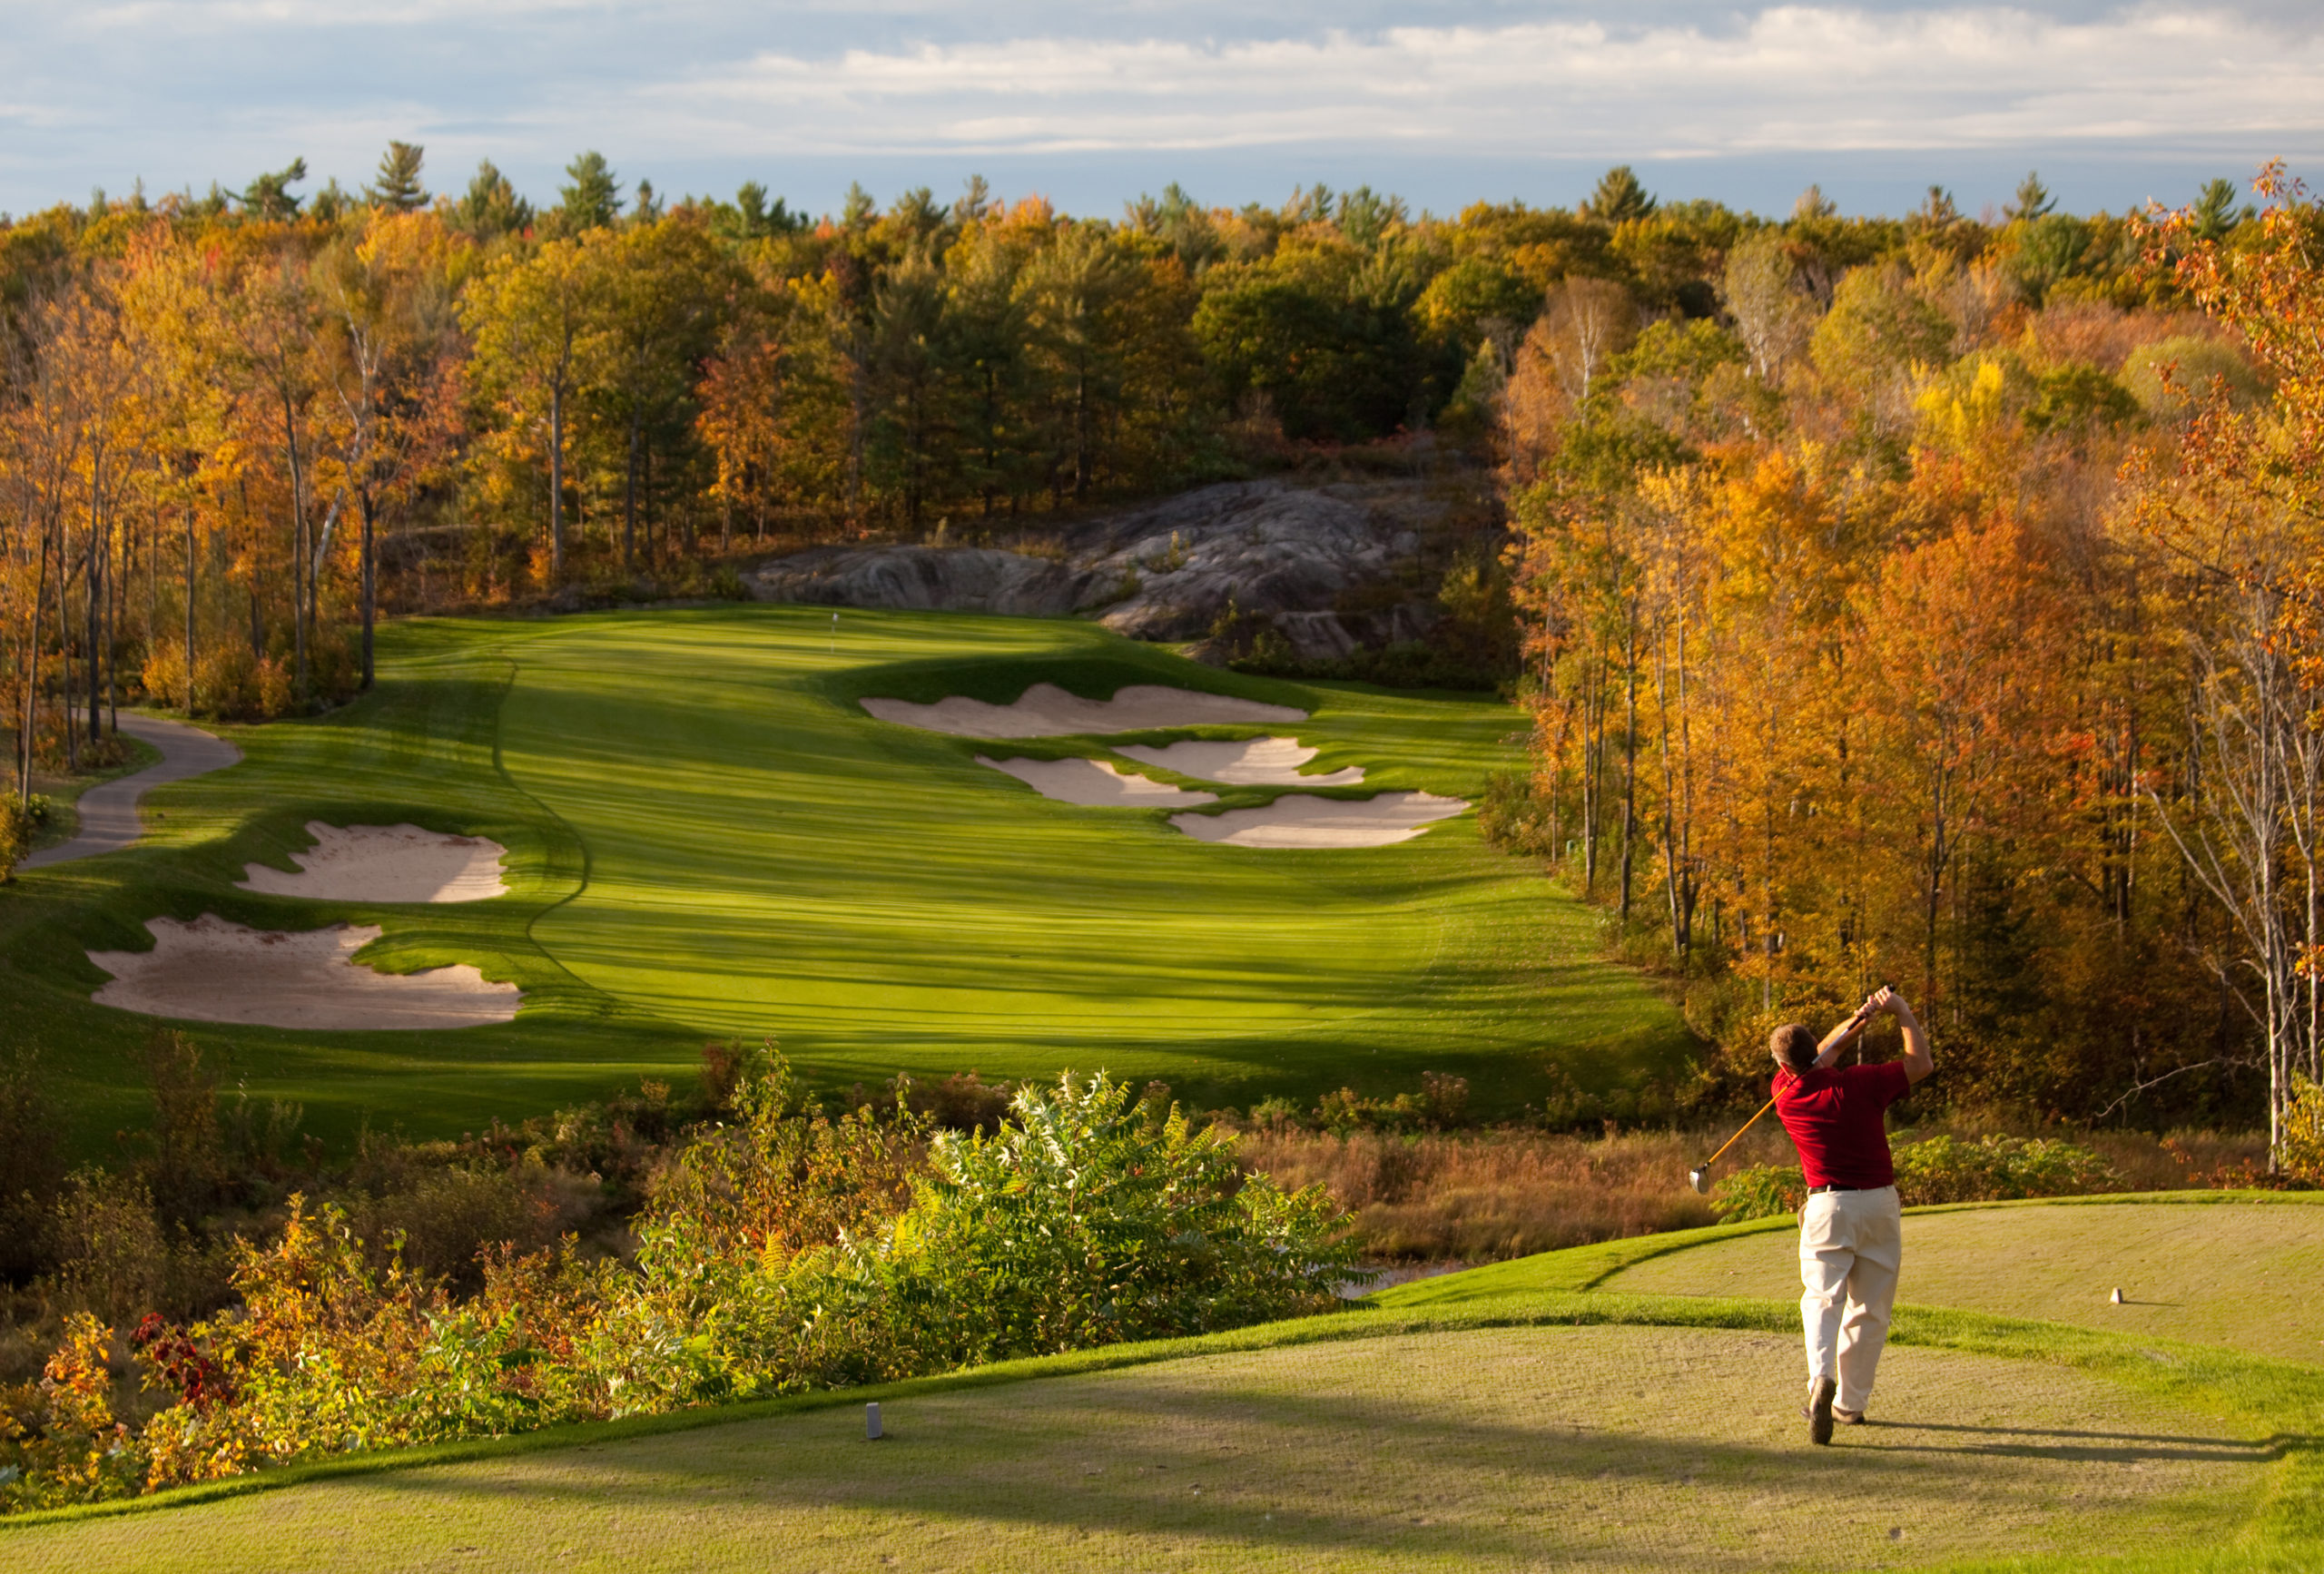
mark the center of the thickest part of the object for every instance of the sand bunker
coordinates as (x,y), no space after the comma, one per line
(386,863)
(1244,763)
(1046,711)
(210,970)
(1299,820)
(1096,783)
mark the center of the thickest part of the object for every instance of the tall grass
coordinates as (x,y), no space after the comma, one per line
(1481,1196)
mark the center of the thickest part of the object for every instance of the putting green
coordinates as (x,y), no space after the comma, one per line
(708,837)
(2242,1275)
(1520,1447)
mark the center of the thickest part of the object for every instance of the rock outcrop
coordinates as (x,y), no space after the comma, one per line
(925,579)
(1321,564)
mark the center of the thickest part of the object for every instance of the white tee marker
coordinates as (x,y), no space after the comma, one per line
(871,1433)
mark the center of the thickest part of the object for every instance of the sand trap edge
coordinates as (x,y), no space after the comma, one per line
(344,857)
(213,970)
(1298,821)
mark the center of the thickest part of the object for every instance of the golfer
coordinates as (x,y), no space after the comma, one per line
(1851,1233)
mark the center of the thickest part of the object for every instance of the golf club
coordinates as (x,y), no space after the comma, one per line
(1699,1178)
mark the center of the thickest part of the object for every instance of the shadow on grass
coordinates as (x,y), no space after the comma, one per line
(1305,1472)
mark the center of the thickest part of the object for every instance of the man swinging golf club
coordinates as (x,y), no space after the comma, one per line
(1851,1236)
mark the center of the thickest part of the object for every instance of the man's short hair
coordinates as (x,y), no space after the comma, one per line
(1793,1045)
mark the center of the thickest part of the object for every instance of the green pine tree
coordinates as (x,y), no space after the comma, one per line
(1620,195)
(594,199)
(268,196)
(397,186)
(2034,198)
(490,207)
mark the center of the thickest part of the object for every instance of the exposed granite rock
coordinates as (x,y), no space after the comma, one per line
(1164,571)
(925,579)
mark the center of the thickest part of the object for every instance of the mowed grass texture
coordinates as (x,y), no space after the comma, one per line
(708,838)
(767,860)
(1527,1447)
(2242,1275)
(421,748)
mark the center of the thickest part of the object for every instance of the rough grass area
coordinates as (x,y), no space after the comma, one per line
(2241,1276)
(707,837)
(1480,1196)
(1606,1447)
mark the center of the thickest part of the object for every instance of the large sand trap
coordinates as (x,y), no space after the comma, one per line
(386,863)
(1300,819)
(1096,783)
(1046,711)
(210,970)
(1244,763)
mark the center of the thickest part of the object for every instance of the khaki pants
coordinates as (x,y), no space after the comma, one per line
(1851,1244)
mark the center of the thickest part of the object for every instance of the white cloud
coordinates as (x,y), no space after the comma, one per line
(1242,96)
(1793,77)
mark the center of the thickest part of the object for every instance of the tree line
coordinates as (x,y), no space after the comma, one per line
(234,427)
(1897,599)
(1944,612)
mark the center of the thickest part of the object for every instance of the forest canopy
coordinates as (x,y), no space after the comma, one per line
(1928,597)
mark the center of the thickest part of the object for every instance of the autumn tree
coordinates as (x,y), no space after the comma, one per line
(534,324)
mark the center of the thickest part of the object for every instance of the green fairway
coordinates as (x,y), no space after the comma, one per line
(421,748)
(1533,1445)
(709,837)
(2244,1275)
(767,860)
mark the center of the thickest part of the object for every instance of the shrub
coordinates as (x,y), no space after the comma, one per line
(1088,1221)
(1763,1191)
(1945,1169)
(187,1166)
(1515,816)
(443,1221)
(60,1443)
(16,834)
(163,674)
(1940,1169)
(2303,1133)
(330,1354)
(782,1251)
(1442,1102)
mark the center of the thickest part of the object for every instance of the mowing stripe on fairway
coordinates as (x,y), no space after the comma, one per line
(708,838)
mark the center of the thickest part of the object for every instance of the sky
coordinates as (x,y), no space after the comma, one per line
(1091,104)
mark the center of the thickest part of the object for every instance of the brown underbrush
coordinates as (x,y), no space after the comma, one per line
(1480,1196)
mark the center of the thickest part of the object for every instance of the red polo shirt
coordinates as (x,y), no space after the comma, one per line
(1835,1116)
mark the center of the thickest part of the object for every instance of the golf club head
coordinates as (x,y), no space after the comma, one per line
(1699,1178)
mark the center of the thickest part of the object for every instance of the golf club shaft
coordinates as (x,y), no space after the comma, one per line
(1863,1014)
(1731,1141)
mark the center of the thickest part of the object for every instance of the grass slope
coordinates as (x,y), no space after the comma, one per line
(708,837)
(2231,1274)
(2233,1269)
(1543,1430)
(422,748)
(767,860)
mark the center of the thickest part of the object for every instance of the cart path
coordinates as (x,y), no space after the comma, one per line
(109,818)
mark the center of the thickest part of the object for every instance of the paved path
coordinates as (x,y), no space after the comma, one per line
(109,819)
